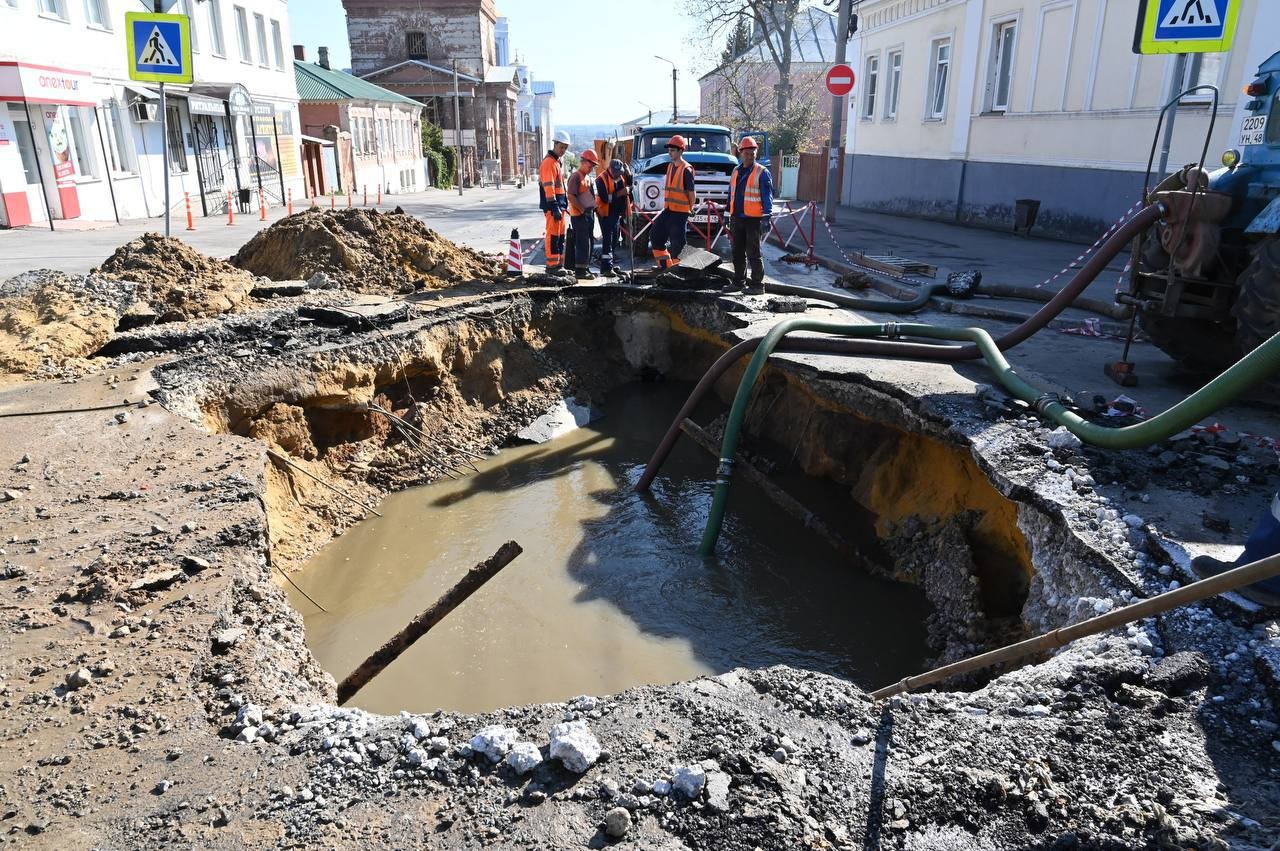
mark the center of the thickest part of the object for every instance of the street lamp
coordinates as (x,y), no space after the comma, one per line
(675,113)
(648,107)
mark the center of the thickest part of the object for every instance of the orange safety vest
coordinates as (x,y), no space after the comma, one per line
(551,178)
(602,201)
(679,199)
(752,203)
(586,183)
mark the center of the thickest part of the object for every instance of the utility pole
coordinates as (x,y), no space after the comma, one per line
(457,128)
(675,111)
(837,116)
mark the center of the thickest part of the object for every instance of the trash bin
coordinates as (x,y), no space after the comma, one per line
(1025,211)
(243,197)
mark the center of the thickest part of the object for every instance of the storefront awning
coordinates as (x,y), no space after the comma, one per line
(142,91)
(317,141)
(20,81)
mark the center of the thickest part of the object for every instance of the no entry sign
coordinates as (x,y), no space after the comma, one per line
(840,80)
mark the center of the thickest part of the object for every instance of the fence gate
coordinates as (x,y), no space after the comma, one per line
(790,176)
(205,132)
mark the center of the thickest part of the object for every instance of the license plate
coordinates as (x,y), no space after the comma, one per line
(702,220)
(1251,130)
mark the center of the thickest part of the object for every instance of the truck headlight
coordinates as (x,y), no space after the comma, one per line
(1231,158)
(651,191)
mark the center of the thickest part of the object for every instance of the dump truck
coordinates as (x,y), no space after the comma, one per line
(1206,280)
(711,151)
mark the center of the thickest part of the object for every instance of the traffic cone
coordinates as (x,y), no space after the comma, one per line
(262,206)
(515,258)
(191,223)
(231,211)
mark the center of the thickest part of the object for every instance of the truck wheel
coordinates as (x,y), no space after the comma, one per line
(1257,307)
(1198,345)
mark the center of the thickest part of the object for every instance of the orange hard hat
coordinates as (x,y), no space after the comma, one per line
(677,141)
(589,156)
(748,143)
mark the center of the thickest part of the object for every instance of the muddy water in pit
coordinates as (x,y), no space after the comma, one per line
(609,592)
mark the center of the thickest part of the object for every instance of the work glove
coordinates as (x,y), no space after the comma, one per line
(557,214)
(765,227)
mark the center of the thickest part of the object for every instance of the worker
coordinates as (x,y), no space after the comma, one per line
(669,226)
(582,207)
(750,211)
(1265,541)
(613,202)
(552,201)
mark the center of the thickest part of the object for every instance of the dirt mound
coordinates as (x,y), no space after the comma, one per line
(49,318)
(175,280)
(363,250)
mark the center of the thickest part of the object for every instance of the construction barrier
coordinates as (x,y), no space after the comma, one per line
(809,211)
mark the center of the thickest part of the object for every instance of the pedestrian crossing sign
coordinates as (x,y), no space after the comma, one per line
(1186,26)
(159,47)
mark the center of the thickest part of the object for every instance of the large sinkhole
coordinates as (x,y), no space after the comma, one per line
(609,592)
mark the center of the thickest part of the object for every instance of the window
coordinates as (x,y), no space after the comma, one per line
(260,27)
(173,129)
(117,141)
(415,44)
(53,8)
(277,44)
(1000,77)
(893,84)
(188,9)
(22,129)
(242,34)
(870,79)
(938,80)
(95,14)
(1202,69)
(215,28)
(81,148)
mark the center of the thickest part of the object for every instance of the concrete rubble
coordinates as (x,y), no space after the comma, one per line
(158,690)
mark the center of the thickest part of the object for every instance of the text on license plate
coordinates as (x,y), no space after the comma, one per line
(702,219)
(1251,131)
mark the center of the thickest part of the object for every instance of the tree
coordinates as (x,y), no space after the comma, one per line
(775,22)
(738,42)
(441,158)
(742,99)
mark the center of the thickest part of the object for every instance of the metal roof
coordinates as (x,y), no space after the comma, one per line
(544,88)
(505,74)
(316,83)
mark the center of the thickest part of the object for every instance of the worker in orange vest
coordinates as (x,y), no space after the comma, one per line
(613,201)
(552,201)
(671,223)
(582,207)
(750,210)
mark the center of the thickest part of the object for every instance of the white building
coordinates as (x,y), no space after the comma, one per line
(78,139)
(962,107)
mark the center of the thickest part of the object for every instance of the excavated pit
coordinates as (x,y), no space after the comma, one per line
(914,505)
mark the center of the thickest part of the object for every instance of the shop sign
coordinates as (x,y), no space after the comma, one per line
(46,84)
(205,106)
(241,103)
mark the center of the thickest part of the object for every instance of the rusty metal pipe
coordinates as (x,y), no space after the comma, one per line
(1084,276)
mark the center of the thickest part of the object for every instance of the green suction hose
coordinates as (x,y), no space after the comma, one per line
(1249,370)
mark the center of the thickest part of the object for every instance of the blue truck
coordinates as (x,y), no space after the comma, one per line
(712,151)
(1206,280)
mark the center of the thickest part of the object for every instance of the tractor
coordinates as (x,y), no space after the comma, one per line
(1206,280)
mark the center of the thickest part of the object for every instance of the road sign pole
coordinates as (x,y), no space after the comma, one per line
(1175,88)
(164,155)
(837,117)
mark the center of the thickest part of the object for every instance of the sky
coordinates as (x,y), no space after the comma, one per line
(592,86)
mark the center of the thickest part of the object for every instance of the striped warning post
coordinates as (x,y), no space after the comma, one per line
(515,258)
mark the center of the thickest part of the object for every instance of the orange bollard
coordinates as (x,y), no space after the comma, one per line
(262,206)
(332,202)
(348,199)
(191,223)
(366,195)
(290,202)
(379,194)
(231,211)
(313,202)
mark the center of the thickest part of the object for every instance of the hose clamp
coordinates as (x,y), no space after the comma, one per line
(1044,400)
(892,330)
(725,469)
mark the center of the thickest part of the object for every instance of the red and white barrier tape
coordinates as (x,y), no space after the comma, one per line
(1107,233)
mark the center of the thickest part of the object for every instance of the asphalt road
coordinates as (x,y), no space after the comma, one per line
(480,218)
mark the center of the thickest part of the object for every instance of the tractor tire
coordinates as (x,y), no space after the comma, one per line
(1195,344)
(1257,307)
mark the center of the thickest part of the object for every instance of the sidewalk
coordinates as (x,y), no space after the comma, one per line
(1002,258)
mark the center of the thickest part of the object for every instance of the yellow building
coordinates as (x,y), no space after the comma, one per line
(963,107)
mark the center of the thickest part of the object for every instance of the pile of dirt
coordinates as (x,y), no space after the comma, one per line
(363,250)
(48,318)
(175,281)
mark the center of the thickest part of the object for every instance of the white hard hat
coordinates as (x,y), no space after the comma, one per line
(561,136)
